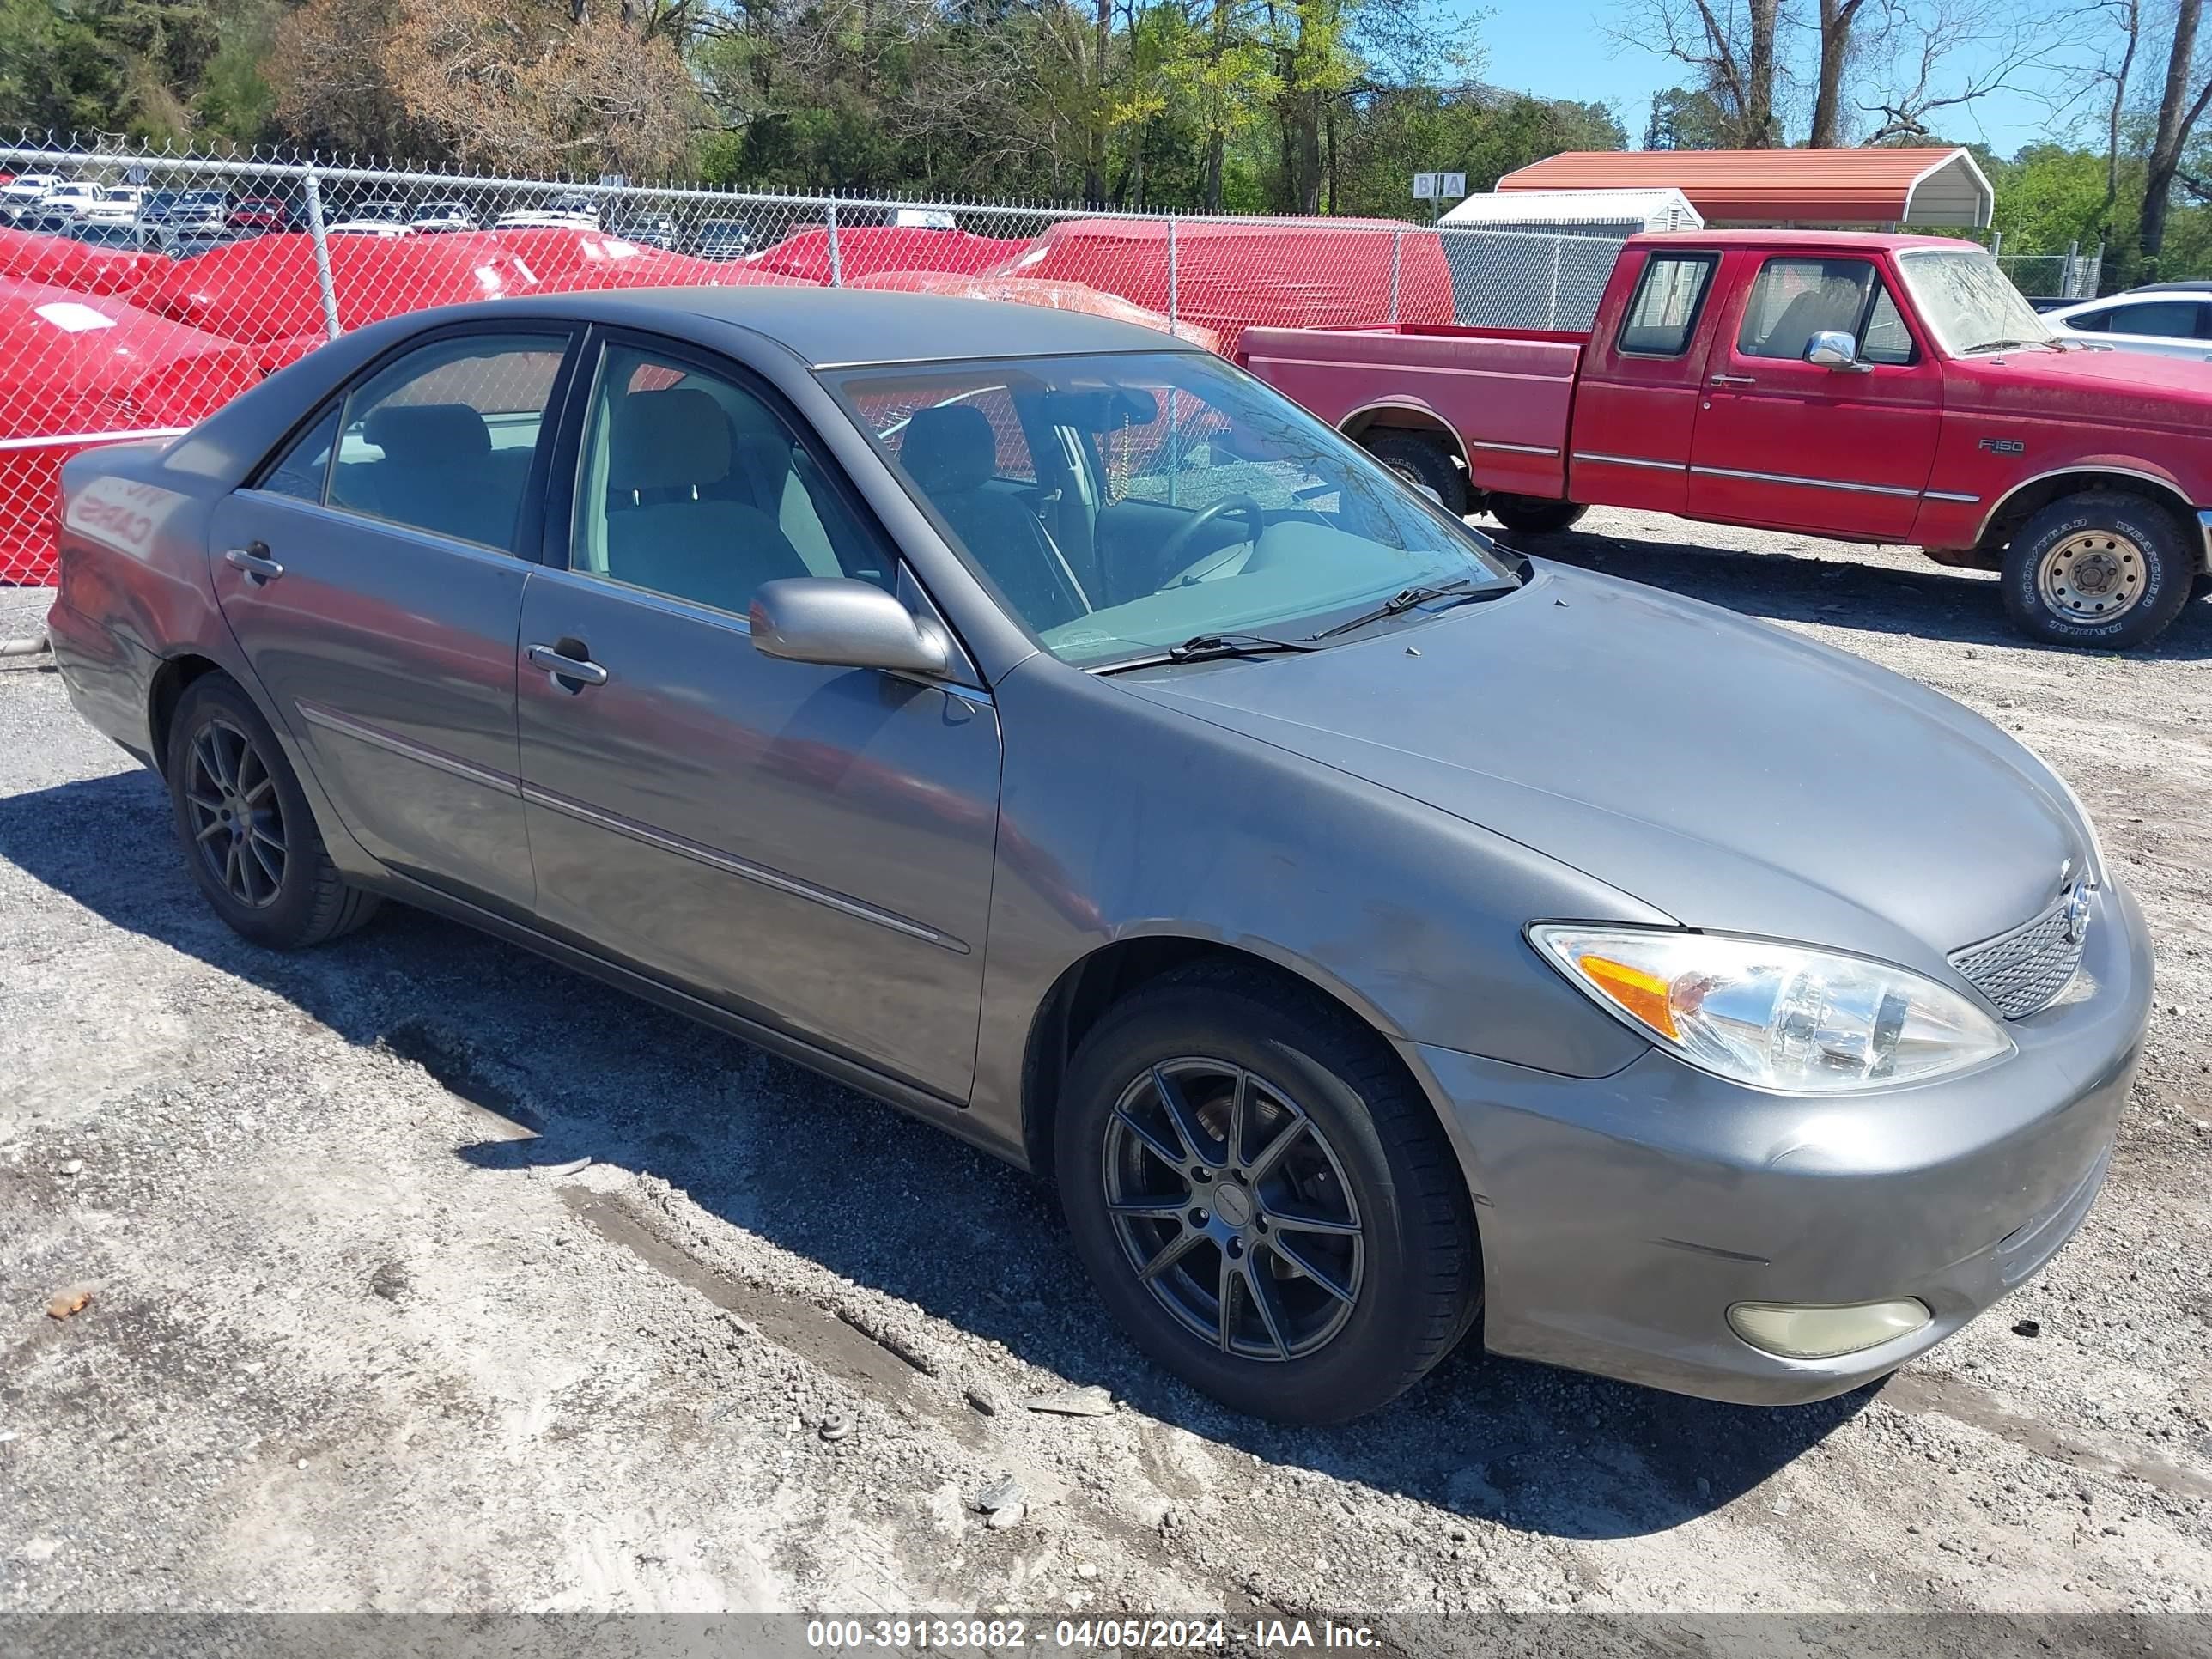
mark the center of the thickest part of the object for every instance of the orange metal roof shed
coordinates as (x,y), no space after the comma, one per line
(1879,187)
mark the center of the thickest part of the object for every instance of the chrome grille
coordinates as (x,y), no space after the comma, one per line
(2024,970)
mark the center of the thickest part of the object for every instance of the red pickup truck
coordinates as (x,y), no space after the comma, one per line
(1869,388)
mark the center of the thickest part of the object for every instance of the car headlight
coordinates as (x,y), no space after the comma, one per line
(1783,1016)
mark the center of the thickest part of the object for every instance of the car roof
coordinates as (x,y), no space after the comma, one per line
(832,327)
(2200,286)
(1810,241)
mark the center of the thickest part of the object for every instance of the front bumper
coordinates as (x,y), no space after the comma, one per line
(1621,1217)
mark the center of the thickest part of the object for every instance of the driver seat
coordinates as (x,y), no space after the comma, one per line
(951,454)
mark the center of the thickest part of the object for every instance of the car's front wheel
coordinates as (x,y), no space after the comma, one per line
(249,838)
(2100,569)
(1264,1199)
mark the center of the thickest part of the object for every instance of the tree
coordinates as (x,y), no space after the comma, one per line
(1731,45)
(1686,117)
(2188,88)
(1837,20)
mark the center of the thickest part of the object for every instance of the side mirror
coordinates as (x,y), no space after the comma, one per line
(1832,348)
(845,624)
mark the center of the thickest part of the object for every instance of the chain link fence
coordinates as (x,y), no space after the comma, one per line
(2056,279)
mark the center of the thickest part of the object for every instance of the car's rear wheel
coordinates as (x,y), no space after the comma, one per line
(1263,1198)
(249,837)
(1420,459)
(2099,569)
(1532,515)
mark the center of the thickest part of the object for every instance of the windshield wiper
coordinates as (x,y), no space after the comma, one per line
(1407,599)
(1203,648)
(1994,345)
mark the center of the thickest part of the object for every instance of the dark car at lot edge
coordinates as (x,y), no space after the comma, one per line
(1041,725)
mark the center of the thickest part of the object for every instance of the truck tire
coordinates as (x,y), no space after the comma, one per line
(1532,515)
(1419,458)
(2102,570)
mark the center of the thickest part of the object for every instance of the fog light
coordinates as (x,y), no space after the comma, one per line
(1825,1333)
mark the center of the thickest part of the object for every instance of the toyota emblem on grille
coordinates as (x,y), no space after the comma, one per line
(2077,912)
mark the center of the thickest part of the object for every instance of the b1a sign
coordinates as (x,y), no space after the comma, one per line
(1439,187)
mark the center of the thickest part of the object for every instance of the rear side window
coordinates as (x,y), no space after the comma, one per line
(443,440)
(1669,297)
(307,465)
(2162,318)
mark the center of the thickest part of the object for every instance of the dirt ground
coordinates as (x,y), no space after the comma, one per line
(426,1276)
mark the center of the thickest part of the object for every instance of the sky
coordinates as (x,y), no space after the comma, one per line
(1558,49)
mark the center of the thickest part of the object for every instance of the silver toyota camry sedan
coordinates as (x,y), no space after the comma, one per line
(1041,726)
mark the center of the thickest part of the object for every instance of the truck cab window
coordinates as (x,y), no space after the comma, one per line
(1668,296)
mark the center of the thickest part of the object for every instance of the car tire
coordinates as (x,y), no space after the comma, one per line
(249,838)
(1420,459)
(1532,515)
(2102,570)
(1360,1317)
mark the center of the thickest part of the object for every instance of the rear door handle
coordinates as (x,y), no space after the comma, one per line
(253,559)
(1732,379)
(581,669)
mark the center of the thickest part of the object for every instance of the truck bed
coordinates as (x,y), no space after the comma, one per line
(1507,394)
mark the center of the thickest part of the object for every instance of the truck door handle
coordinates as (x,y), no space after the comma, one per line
(253,559)
(1732,379)
(565,669)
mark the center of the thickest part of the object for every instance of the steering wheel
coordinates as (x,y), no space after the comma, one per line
(1180,541)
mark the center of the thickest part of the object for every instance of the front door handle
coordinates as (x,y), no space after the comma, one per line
(1732,379)
(570,674)
(253,559)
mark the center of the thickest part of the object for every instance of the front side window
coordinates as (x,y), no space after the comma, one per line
(1140,501)
(1668,296)
(690,486)
(443,440)
(1795,299)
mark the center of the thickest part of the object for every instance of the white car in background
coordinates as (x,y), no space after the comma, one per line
(71,197)
(570,210)
(2173,319)
(444,217)
(118,204)
(28,189)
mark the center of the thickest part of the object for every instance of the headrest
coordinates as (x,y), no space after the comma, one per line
(951,447)
(428,434)
(674,439)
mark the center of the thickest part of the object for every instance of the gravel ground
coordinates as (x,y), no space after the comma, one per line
(426,1276)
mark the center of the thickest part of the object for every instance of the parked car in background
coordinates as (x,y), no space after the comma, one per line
(658,230)
(71,196)
(444,216)
(567,209)
(196,212)
(1031,719)
(259,214)
(724,238)
(377,217)
(2173,319)
(27,189)
(1870,388)
(117,204)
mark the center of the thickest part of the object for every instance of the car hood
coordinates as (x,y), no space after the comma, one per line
(1733,775)
(2137,389)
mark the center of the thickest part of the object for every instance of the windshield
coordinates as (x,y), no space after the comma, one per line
(1970,303)
(1121,505)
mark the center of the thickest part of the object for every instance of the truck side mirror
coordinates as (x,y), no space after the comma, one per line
(1832,348)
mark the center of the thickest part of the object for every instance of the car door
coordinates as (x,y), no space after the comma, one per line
(1779,440)
(369,574)
(1637,393)
(808,846)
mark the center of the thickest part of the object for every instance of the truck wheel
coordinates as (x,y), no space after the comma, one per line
(1532,515)
(2099,569)
(1420,459)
